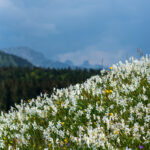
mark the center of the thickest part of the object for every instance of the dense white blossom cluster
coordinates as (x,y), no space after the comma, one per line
(108,111)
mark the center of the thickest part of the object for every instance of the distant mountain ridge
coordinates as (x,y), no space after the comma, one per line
(36,58)
(9,60)
(87,65)
(39,60)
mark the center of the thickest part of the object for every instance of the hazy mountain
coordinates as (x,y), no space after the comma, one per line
(38,59)
(7,60)
(69,62)
(34,57)
(87,65)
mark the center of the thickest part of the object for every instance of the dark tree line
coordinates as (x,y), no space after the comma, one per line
(27,83)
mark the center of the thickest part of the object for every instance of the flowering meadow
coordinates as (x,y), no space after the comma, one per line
(111,112)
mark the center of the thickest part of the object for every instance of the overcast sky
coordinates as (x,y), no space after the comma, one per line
(77,29)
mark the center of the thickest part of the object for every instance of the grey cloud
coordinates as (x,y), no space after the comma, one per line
(100,52)
(95,56)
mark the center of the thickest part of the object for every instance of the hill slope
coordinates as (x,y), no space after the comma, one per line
(108,112)
(7,60)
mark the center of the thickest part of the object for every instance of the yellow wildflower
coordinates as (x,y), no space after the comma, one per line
(110,91)
(99,102)
(111,114)
(116,131)
(66,141)
(62,123)
(106,91)
(111,68)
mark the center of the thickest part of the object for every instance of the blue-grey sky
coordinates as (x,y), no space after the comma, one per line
(77,29)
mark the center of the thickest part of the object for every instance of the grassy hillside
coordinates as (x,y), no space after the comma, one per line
(7,60)
(107,112)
